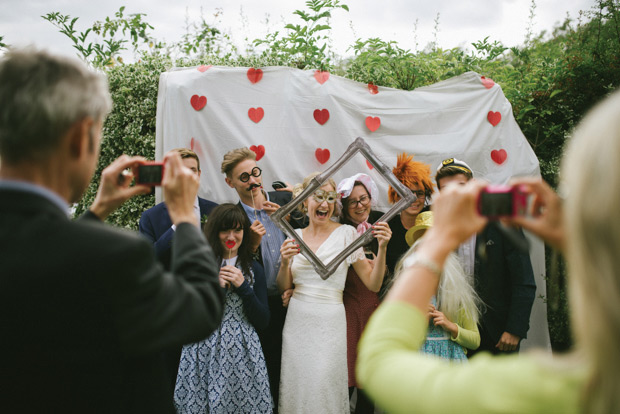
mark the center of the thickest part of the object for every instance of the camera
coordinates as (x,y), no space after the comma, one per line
(150,173)
(502,201)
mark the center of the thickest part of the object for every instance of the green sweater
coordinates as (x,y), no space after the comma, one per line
(402,380)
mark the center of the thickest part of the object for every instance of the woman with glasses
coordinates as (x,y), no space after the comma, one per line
(314,341)
(360,299)
(416,176)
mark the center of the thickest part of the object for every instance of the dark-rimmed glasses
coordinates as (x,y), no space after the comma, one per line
(363,201)
(245,177)
(322,195)
(419,193)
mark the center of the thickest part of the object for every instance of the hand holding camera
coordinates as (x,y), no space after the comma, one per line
(115,187)
(180,186)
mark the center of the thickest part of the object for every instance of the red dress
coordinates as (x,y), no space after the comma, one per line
(359,304)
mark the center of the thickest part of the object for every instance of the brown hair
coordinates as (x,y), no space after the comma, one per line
(188,153)
(450,171)
(234,157)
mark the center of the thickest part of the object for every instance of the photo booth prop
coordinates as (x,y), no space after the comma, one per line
(358,146)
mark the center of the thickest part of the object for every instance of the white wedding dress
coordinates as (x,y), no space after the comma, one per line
(314,375)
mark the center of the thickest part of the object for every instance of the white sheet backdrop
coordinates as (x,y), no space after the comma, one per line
(282,113)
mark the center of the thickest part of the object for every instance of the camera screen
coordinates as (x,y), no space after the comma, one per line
(496,204)
(149,174)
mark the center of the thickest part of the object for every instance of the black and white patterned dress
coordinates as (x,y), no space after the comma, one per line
(226,373)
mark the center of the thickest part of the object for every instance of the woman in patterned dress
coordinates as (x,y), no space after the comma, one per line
(226,373)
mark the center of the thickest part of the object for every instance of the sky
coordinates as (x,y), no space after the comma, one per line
(409,22)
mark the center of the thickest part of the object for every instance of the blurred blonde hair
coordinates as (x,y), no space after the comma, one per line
(591,173)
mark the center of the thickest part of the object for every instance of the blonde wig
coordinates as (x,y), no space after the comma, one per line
(455,293)
(591,174)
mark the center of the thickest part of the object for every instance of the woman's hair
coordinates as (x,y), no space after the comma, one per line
(298,188)
(591,173)
(455,293)
(225,217)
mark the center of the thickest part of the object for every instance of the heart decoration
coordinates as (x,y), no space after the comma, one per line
(321,76)
(373,123)
(198,102)
(321,116)
(373,89)
(230,243)
(255,75)
(203,68)
(322,155)
(258,150)
(487,82)
(494,117)
(499,156)
(194,145)
(369,164)
(256,114)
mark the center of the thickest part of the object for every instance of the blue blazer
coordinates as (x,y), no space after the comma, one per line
(156,225)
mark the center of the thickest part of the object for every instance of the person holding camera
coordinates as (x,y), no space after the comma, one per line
(582,381)
(86,309)
(503,275)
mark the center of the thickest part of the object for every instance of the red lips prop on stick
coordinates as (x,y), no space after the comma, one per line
(230,244)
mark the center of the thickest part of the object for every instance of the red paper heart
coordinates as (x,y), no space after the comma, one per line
(321,76)
(256,114)
(322,155)
(487,82)
(321,116)
(203,68)
(373,89)
(369,164)
(230,243)
(255,75)
(373,123)
(494,117)
(258,150)
(499,156)
(194,145)
(198,102)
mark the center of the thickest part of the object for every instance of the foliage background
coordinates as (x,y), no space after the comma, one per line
(551,81)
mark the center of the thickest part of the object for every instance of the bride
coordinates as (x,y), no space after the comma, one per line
(314,343)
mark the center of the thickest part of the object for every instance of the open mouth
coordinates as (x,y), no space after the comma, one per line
(321,213)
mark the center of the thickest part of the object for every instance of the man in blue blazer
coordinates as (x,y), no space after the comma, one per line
(155,222)
(503,276)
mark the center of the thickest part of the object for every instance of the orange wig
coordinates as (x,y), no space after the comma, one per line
(410,173)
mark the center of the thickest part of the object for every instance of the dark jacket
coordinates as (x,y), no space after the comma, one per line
(86,309)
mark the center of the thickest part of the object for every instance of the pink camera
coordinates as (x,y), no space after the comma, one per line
(501,201)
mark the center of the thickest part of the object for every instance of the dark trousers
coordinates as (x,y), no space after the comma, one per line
(271,341)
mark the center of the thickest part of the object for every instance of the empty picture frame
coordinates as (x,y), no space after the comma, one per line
(359,145)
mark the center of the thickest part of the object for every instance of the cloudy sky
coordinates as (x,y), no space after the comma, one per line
(461,22)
